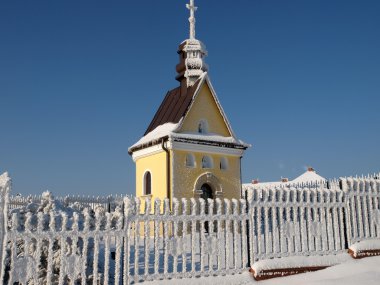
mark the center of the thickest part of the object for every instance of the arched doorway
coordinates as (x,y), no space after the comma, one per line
(206,192)
(208,186)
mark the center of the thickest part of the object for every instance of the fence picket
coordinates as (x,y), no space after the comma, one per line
(194,212)
(235,235)
(244,245)
(227,207)
(157,212)
(219,232)
(185,213)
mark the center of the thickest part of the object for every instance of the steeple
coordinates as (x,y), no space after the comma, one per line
(192,9)
(191,55)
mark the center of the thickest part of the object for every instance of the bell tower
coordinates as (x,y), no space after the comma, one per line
(192,53)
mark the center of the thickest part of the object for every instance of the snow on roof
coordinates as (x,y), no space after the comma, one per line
(309,177)
(212,137)
(157,134)
(4,179)
(169,130)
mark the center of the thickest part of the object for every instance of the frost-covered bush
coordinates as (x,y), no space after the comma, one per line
(58,237)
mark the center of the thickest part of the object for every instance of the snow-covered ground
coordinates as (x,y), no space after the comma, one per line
(364,271)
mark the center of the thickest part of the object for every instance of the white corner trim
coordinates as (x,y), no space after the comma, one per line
(173,145)
(147,152)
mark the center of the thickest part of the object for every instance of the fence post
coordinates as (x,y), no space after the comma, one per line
(250,230)
(130,210)
(5,187)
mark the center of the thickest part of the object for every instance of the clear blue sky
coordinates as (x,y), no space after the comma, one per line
(81,80)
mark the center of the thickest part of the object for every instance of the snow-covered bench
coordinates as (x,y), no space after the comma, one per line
(365,248)
(278,267)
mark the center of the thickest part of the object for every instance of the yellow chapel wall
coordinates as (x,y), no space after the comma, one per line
(156,164)
(204,107)
(185,178)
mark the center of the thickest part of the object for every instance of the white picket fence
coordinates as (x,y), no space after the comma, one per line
(293,222)
(189,238)
(193,239)
(363,208)
(61,249)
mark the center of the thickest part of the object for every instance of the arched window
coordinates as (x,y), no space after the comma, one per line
(190,160)
(223,163)
(202,127)
(207,162)
(147,183)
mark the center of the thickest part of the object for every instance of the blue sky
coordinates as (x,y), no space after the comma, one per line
(81,80)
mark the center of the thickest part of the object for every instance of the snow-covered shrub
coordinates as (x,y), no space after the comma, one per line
(56,241)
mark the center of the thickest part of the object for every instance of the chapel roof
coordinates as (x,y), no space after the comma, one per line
(173,107)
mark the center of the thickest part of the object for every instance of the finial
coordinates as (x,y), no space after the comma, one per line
(192,9)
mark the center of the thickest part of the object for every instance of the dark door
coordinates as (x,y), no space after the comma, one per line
(206,194)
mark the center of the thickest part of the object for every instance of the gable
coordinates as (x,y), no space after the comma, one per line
(173,107)
(204,107)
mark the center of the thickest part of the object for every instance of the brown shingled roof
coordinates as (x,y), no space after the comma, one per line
(173,108)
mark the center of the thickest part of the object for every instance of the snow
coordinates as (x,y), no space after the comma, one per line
(4,179)
(300,261)
(307,177)
(158,133)
(370,244)
(352,272)
(169,130)
(205,137)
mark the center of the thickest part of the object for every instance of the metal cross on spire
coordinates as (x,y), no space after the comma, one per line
(192,9)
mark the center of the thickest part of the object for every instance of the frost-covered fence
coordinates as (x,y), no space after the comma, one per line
(80,241)
(5,187)
(194,238)
(363,208)
(293,222)
(108,202)
(64,247)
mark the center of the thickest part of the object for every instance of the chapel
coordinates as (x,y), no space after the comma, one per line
(189,150)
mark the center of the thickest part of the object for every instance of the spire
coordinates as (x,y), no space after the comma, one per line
(191,54)
(192,9)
